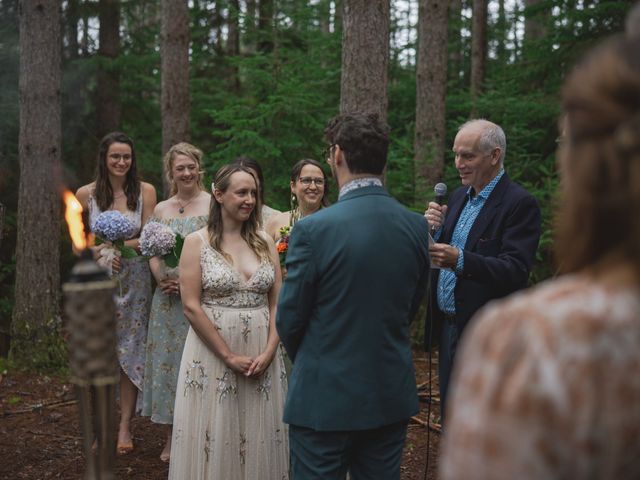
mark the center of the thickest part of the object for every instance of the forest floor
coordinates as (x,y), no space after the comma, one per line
(40,436)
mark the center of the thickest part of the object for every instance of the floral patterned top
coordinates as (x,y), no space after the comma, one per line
(223,286)
(547,386)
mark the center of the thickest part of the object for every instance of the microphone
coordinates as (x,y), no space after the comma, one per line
(440,190)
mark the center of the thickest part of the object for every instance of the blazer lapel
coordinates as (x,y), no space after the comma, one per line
(488,212)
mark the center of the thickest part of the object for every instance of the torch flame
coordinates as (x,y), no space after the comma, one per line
(73,216)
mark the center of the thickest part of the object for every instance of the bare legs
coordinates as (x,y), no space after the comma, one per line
(166,451)
(128,396)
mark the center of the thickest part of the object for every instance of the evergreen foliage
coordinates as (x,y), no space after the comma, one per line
(272,103)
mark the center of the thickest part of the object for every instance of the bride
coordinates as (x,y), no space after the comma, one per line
(231,386)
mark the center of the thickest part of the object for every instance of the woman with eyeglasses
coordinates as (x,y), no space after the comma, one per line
(117,187)
(309,193)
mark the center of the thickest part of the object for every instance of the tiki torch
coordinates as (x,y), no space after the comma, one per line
(90,324)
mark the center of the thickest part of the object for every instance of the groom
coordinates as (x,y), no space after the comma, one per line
(356,273)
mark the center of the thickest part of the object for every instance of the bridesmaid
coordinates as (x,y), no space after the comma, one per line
(117,187)
(309,193)
(184,212)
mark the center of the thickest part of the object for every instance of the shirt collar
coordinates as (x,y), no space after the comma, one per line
(359,183)
(486,191)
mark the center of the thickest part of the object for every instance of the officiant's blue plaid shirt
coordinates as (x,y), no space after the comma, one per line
(447,279)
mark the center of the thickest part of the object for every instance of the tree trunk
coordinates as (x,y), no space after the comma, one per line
(455,41)
(324,16)
(478,45)
(1,222)
(233,42)
(174,55)
(265,26)
(108,81)
(365,56)
(36,312)
(72,29)
(431,68)
(233,37)
(534,28)
(501,34)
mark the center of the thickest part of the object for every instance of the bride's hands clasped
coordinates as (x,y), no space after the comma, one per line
(239,363)
(260,364)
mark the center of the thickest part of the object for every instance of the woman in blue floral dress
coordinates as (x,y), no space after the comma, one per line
(117,187)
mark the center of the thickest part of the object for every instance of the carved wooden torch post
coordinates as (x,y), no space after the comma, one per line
(89,313)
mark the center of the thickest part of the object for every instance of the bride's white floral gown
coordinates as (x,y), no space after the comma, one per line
(227,426)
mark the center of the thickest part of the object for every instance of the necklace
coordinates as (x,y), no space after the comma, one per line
(116,197)
(182,207)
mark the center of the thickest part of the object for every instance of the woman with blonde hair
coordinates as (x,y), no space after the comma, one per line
(547,385)
(231,386)
(184,212)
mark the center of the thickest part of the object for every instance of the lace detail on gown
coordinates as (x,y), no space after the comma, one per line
(222,285)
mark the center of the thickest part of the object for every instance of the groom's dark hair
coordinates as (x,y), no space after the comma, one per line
(363,138)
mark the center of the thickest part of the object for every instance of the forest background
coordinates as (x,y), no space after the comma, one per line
(262,79)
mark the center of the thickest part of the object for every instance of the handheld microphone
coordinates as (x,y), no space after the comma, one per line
(440,190)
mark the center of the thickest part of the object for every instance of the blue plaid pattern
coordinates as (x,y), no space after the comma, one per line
(447,279)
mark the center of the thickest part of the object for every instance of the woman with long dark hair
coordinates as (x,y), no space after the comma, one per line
(117,187)
(309,193)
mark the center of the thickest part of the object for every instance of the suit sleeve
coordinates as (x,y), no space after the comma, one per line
(297,297)
(421,287)
(509,269)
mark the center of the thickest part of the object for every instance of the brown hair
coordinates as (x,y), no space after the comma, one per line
(600,159)
(364,139)
(188,150)
(296,170)
(103,192)
(249,230)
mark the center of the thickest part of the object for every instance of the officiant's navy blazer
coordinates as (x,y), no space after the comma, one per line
(356,273)
(498,255)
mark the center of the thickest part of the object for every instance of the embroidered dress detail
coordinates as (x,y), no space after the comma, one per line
(233,429)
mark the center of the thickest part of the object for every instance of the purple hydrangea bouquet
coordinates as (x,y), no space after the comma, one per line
(112,226)
(158,240)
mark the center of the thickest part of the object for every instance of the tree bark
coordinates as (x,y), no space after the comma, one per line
(1,222)
(233,37)
(324,16)
(365,56)
(455,41)
(233,42)
(265,26)
(534,28)
(174,55)
(108,82)
(431,69)
(71,22)
(478,45)
(36,312)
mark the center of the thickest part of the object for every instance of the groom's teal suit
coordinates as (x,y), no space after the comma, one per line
(356,273)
